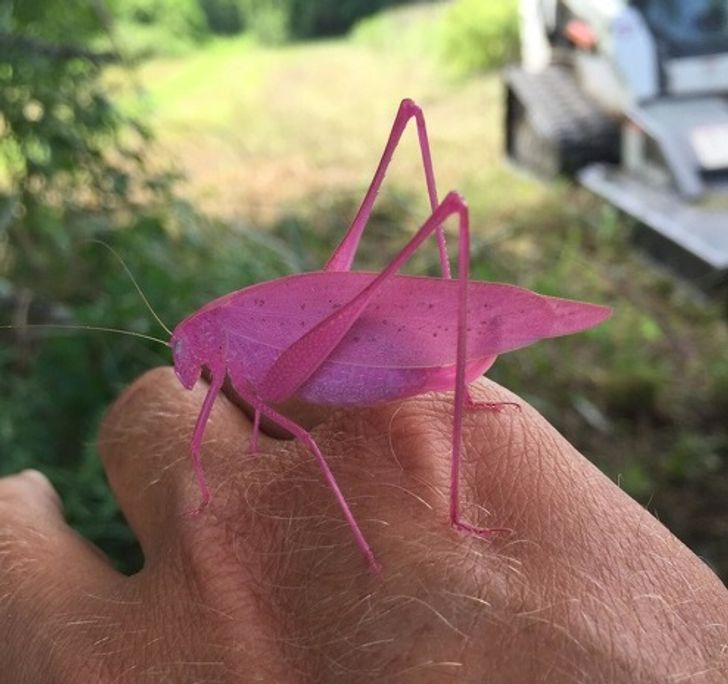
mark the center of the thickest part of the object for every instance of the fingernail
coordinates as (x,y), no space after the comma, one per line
(35,475)
(40,481)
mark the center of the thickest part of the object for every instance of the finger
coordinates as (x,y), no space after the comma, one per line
(144,442)
(576,538)
(37,547)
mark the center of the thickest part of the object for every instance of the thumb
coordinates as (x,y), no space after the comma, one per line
(47,574)
(40,555)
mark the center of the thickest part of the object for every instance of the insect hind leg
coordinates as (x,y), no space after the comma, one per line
(343,255)
(488,533)
(471,404)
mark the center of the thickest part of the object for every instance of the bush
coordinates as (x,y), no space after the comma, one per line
(479,35)
(224,17)
(149,27)
(329,17)
(280,20)
(68,156)
(270,21)
(183,19)
(57,384)
(53,19)
(411,30)
(71,167)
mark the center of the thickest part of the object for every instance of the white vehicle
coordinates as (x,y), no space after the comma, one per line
(632,98)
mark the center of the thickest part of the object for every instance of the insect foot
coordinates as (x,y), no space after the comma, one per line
(496,406)
(193,513)
(488,533)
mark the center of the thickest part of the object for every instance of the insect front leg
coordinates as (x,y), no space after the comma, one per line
(344,253)
(256,433)
(216,384)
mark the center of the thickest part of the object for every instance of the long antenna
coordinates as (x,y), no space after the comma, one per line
(133,280)
(96,328)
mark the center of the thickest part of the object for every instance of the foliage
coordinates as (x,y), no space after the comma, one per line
(411,30)
(175,22)
(184,17)
(70,168)
(224,17)
(68,157)
(170,253)
(480,34)
(274,21)
(55,20)
(332,17)
(270,21)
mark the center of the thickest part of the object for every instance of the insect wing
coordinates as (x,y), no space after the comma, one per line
(411,323)
(504,318)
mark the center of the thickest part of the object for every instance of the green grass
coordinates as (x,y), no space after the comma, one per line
(258,131)
(286,140)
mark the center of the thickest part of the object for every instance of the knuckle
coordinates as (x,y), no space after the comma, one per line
(156,388)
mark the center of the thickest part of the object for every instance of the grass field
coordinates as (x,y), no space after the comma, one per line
(258,131)
(285,141)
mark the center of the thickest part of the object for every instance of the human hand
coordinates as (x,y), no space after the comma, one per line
(267,585)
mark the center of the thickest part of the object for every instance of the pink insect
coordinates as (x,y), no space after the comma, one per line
(337,337)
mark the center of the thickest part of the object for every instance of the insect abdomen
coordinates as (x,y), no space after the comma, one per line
(348,384)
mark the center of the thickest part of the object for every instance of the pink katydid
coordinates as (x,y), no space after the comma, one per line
(337,337)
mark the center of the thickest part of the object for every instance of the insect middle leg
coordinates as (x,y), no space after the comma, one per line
(204,415)
(455,519)
(472,404)
(305,437)
(255,435)
(343,255)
